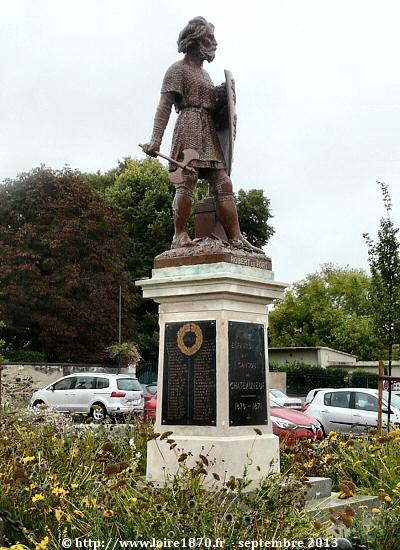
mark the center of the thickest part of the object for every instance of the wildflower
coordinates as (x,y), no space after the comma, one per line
(376,510)
(192,504)
(58,513)
(32,486)
(79,513)
(388,498)
(43,544)
(333,436)
(37,497)
(324,443)
(132,443)
(74,452)
(86,502)
(108,513)
(59,491)
(138,455)
(28,459)
(74,485)
(247,520)
(228,517)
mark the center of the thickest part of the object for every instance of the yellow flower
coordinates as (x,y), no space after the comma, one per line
(74,452)
(69,517)
(134,500)
(29,459)
(37,497)
(388,498)
(58,513)
(74,485)
(43,544)
(324,443)
(31,434)
(79,513)
(1,475)
(333,436)
(108,513)
(86,502)
(33,486)
(376,510)
(94,502)
(59,491)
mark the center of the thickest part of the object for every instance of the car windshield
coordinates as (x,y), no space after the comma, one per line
(395,399)
(128,384)
(278,393)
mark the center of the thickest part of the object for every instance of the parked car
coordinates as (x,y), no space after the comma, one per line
(284,401)
(351,409)
(98,394)
(149,389)
(292,425)
(150,407)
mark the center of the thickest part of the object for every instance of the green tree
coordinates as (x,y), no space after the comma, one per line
(384,262)
(332,309)
(254,214)
(62,251)
(141,192)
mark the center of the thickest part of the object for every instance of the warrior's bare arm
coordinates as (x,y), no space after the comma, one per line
(160,123)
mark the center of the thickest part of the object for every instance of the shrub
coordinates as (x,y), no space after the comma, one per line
(25,356)
(361,379)
(301,378)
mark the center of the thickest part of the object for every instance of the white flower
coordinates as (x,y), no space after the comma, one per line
(132,443)
(138,455)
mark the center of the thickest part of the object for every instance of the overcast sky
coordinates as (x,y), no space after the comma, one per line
(318,86)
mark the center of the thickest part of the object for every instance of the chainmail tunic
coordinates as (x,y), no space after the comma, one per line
(195,101)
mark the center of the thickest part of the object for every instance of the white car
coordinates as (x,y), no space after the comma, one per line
(351,409)
(97,394)
(284,401)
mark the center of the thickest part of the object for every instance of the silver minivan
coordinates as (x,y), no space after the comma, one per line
(97,394)
(351,409)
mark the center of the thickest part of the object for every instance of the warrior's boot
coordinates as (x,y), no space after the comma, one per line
(181,208)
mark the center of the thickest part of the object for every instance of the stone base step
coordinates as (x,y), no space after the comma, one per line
(317,488)
(333,505)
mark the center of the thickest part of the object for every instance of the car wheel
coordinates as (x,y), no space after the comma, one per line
(98,412)
(37,404)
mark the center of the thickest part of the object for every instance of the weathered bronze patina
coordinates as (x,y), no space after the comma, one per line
(203,110)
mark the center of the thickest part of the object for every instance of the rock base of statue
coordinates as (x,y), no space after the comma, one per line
(213,410)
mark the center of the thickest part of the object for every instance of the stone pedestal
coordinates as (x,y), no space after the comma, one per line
(213,366)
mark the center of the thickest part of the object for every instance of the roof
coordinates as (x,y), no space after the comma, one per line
(310,348)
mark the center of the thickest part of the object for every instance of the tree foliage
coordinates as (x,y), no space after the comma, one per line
(254,214)
(141,192)
(384,262)
(62,251)
(332,308)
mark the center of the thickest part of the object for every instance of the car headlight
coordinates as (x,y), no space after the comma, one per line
(284,424)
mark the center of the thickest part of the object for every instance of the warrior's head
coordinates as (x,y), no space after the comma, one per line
(198,36)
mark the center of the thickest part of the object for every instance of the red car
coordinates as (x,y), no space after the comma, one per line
(150,401)
(291,425)
(287,424)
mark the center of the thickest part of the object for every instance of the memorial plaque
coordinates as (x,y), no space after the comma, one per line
(247,380)
(189,378)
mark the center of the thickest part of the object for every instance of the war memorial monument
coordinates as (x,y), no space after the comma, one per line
(212,291)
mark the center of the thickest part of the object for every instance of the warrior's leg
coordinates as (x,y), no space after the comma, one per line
(226,209)
(181,208)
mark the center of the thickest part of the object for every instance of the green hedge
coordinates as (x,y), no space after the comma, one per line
(25,356)
(301,377)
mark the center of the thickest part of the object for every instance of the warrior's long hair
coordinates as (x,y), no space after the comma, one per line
(189,36)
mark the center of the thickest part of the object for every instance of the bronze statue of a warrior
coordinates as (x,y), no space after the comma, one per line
(188,87)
